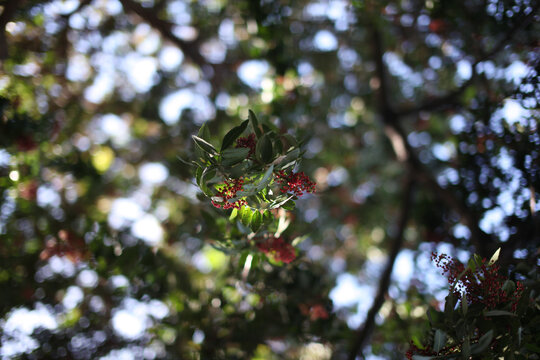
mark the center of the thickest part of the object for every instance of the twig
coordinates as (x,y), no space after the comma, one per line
(364,332)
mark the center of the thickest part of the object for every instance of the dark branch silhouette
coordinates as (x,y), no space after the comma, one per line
(364,332)
(7,14)
(190,49)
(453,98)
(406,153)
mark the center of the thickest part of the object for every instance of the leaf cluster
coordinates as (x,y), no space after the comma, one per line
(465,329)
(247,181)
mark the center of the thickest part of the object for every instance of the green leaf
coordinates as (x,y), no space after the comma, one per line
(288,160)
(264,149)
(460,327)
(523,303)
(238,170)
(483,343)
(204,133)
(417,342)
(243,258)
(278,145)
(265,179)
(256,221)
(243,229)
(246,215)
(439,340)
(255,261)
(186,162)
(430,316)
(289,205)
(234,214)
(298,240)
(267,217)
(469,94)
(254,199)
(466,349)
(499,313)
(449,305)
(478,259)
(248,190)
(255,124)
(532,347)
(279,202)
(198,174)
(290,141)
(206,190)
(472,264)
(206,175)
(204,145)
(495,257)
(233,134)
(234,156)
(509,286)
(464,304)
(268,127)
(422,357)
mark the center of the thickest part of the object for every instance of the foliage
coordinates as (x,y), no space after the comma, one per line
(253,179)
(486,315)
(417,120)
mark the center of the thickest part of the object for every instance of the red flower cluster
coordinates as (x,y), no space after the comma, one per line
(414,350)
(296,183)
(26,143)
(67,244)
(314,312)
(28,190)
(247,142)
(278,248)
(227,192)
(484,285)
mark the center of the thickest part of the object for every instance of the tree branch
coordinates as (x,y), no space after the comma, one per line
(364,332)
(440,102)
(399,144)
(405,153)
(190,49)
(452,98)
(521,23)
(7,14)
